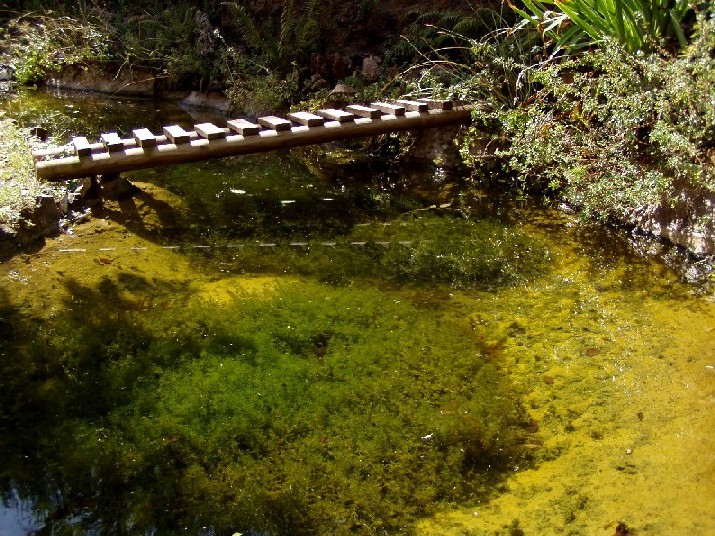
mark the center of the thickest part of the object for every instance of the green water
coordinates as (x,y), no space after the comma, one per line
(318,342)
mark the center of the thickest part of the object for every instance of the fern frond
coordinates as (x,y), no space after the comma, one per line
(471,27)
(252,38)
(289,21)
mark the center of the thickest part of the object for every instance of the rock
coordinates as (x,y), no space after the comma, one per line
(340,95)
(210,100)
(76,196)
(343,89)
(437,145)
(686,219)
(80,217)
(371,68)
(5,75)
(87,192)
(40,221)
(8,241)
(105,79)
(64,204)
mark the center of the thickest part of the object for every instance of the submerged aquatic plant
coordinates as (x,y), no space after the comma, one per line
(308,410)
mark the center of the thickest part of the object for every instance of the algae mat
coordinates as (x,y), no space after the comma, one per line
(617,363)
(604,360)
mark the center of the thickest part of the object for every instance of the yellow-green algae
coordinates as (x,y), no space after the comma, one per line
(598,377)
(616,360)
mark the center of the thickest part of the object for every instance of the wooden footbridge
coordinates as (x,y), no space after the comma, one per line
(112,154)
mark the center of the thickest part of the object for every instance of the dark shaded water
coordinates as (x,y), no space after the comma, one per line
(318,342)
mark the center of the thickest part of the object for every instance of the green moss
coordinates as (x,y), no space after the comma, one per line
(312,410)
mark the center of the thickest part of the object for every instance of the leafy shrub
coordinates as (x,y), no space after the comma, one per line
(488,69)
(37,45)
(615,131)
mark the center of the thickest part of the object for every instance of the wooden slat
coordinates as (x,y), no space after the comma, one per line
(176,134)
(274,123)
(306,119)
(112,142)
(144,137)
(340,116)
(243,127)
(392,109)
(438,104)
(209,131)
(413,106)
(363,111)
(82,146)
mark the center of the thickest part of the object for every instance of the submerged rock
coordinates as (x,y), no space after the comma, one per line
(210,100)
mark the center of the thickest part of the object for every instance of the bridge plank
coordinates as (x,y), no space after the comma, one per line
(209,131)
(243,127)
(112,142)
(414,106)
(274,123)
(176,134)
(336,115)
(363,111)
(392,109)
(438,104)
(306,119)
(144,137)
(82,146)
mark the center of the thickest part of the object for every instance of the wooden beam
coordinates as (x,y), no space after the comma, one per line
(144,137)
(438,104)
(144,155)
(177,134)
(414,106)
(364,111)
(306,119)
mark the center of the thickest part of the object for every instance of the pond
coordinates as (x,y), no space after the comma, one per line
(320,342)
